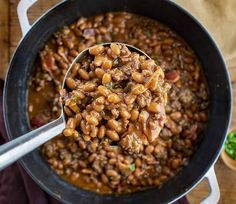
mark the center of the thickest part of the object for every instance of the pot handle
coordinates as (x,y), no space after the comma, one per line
(214,194)
(22,9)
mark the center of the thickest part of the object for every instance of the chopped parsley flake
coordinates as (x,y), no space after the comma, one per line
(75,98)
(110,85)
(106,140)
(132,167)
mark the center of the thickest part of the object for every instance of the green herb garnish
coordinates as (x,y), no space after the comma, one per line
(132,167)
(75,98)
(116,61)
(127,88)
(110,85)
(230,145)
(106,140)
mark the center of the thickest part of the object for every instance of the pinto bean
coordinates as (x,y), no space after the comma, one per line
(84,74)
(99,72)
(113,98)
(149,149)
(95,50)
(115,125)
(71,83)
(103,90)
(106,78)
(92,120)
(138,77)
(138,89)
(134,115)
(101,132)
(115,49)
(154,107)
(125,114)
(111,173)
(112,135)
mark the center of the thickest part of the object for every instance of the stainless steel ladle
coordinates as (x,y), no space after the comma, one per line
(17,148)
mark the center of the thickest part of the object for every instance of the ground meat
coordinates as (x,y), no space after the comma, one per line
(186,96)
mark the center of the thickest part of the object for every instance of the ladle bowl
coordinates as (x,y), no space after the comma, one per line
(17,148)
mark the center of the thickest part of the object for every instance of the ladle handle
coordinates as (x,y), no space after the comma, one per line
(17,148)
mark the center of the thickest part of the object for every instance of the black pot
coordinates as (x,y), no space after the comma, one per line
(21,67)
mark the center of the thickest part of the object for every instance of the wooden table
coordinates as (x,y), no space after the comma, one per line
(9,37)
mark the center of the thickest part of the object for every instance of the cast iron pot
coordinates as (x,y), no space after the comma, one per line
(21,67)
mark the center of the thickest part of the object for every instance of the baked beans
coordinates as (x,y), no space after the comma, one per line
(100,158)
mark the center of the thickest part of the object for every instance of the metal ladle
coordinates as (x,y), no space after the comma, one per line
(17,148)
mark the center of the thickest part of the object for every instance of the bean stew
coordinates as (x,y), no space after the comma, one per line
(132,122)
(116,93)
